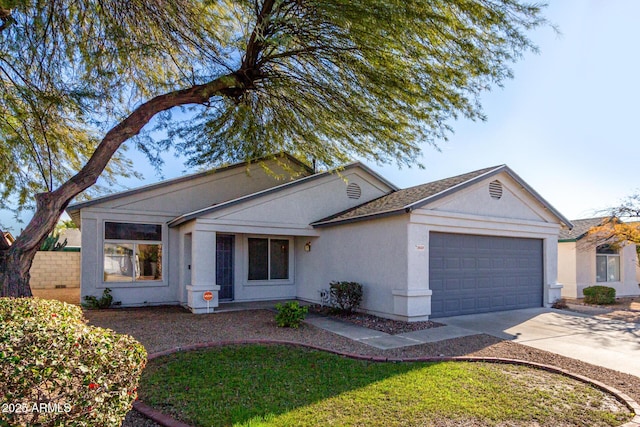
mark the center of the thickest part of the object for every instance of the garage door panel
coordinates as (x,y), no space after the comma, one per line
(436,286)
(475,274)
(452,285)
(452,305)
(452,263)
(483,302)
(468,303)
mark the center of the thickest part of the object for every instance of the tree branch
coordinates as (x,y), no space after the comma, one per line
(59,199)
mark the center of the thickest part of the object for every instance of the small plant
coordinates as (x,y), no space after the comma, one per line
(49,355)
(290,314)
(93,303)
(560,304)
(346,296)
(599,295)
(51,243)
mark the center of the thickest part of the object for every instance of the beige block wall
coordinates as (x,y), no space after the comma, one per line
(53,268)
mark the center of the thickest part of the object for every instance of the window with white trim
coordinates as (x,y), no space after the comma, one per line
(132,252)
(607,264)
(268,259)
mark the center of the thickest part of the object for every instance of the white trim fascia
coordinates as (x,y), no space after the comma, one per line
(480,222)
(255,228)
(109,212)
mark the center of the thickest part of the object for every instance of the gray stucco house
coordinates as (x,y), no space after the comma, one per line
(477,242)
(583,263)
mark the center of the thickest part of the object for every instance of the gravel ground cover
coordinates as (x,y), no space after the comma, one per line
(163,328)
(389,326)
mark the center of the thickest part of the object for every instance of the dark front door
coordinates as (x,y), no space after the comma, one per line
(224,266)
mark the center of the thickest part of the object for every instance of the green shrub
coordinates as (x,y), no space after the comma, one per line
(51,243)
(599,295)
(346,296)
(93,303)
(57,370)
(290,314)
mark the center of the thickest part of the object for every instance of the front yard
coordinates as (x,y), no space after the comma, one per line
(278,385)
(163,328)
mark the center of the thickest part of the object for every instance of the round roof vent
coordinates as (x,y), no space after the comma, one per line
(353,191)
(495,189)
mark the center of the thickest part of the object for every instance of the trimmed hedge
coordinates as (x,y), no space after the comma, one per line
(346,296)
(599,295)
(56,370)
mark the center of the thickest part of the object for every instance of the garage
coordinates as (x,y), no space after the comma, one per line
(478,274)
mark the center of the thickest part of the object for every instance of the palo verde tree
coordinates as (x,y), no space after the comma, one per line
(324,79)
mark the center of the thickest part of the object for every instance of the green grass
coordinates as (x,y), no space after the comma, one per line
(279,386)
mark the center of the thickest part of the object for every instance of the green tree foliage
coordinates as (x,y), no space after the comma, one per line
(324,79)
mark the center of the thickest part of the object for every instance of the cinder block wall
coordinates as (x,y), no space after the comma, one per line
(53,268)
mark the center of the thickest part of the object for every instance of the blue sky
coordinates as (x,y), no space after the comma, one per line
(566,123)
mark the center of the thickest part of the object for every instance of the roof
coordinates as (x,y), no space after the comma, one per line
(408,199)
(580,228)
(195,214)
(77,206)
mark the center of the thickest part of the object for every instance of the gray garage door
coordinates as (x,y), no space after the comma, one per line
(477,274)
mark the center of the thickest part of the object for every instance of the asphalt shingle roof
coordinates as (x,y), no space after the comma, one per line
(402,199)
(580,228)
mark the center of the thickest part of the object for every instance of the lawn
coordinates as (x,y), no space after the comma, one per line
(262,385)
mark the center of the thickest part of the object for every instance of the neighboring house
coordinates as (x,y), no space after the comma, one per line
(481,241)
(8,237)
(73,238)
(6,240)
(583,263)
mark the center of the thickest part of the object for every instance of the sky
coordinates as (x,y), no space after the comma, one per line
(566,123)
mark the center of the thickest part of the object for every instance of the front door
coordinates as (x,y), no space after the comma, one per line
(224,266)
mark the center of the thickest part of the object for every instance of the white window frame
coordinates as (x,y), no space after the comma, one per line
(263,282)
(134,243)
(606,257)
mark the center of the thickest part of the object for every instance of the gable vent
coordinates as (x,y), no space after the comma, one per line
(353,191)
(495,189)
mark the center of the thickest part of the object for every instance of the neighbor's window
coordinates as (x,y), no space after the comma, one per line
(607,264)
(268,259)
(132,252)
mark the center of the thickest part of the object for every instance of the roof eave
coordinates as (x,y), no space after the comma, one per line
(376,215)
(192,215)
(80,205)
(499,169)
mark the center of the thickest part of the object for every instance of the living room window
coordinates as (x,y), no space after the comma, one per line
(132,252)
(268,259)
(607,264)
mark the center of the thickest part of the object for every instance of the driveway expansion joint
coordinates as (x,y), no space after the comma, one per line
(167,421)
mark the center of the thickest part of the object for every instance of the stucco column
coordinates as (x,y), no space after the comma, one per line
(203,271)
(553,288)
(413,302)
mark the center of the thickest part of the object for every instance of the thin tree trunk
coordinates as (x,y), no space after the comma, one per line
(16,261)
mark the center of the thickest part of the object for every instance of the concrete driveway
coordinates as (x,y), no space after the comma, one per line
(610,343)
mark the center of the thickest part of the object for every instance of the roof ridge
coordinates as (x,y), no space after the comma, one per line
(79,205)
(484,170)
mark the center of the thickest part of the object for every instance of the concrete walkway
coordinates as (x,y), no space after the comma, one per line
(609,343)
(385,341)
